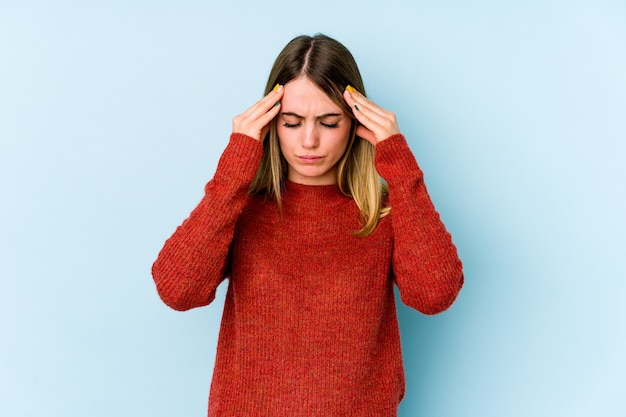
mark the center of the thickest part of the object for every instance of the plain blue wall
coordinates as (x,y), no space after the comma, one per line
(113,115)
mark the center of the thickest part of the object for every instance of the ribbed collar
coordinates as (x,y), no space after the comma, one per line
(312,194)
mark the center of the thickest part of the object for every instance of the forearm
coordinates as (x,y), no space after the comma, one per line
(194,260)
(425,262)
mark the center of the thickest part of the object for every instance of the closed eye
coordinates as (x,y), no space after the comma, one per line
(331,125)
(291,126)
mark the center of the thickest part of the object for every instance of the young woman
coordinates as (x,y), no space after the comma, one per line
(312,242)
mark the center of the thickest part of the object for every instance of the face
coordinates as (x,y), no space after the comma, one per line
(313,133)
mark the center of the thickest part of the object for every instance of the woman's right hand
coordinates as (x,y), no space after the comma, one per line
(255,122)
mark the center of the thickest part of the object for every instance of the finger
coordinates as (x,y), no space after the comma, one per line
(265,118)
(365,117)
(269,107)
(375,113)
(370,118)
(365,133)
(371,114)
(381,122)
(255,120)
(363,101)
(265,104)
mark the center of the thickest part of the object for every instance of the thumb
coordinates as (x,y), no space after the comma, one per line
(366,134)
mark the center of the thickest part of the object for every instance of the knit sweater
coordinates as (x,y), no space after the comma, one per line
(309,326)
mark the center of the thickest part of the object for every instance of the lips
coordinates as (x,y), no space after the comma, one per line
(309,159)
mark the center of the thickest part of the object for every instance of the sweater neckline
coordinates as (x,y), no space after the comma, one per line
(330,192)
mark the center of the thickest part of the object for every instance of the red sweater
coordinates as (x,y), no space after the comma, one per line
(309,325)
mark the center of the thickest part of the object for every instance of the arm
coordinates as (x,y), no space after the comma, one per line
(193,260)
(425,263)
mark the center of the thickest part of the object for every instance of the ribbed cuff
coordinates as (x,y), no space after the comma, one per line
(394,158)
(240,159)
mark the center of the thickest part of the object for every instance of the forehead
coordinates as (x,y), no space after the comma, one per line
(303,97)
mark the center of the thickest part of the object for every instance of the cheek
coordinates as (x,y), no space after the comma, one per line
(339,139)
(285,137)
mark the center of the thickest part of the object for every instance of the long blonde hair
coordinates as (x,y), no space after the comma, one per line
(330,66)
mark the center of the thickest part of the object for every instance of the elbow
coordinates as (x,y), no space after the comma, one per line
(436,297)
(442,301)
(174,293)
(179,299)
(174,301)
(170,294)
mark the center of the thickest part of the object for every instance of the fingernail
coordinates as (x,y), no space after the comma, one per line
(277,103)
(276,87)
(350,89)
(356,107)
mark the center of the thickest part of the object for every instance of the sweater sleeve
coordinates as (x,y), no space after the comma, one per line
(194,260)
(425,264)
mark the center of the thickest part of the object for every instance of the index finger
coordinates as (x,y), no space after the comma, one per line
(265,104)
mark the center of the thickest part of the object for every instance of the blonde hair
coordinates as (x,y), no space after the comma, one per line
(330,66)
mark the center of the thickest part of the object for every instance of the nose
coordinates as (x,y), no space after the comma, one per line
(310,139)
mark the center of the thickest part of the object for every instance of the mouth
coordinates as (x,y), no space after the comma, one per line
(309,159)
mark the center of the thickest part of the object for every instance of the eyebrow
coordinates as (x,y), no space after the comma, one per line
(296,115)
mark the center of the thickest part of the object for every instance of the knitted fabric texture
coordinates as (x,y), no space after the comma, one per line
(309,325)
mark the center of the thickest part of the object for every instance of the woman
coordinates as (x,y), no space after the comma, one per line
(312,242)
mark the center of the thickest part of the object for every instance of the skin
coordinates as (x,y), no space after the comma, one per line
(309,145)
(377,124)
(313,133)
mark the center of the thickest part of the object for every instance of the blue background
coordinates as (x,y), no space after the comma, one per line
(113,115)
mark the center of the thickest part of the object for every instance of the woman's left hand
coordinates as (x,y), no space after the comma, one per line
(376,123)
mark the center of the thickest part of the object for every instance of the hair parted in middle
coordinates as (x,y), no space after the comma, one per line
(331,67)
